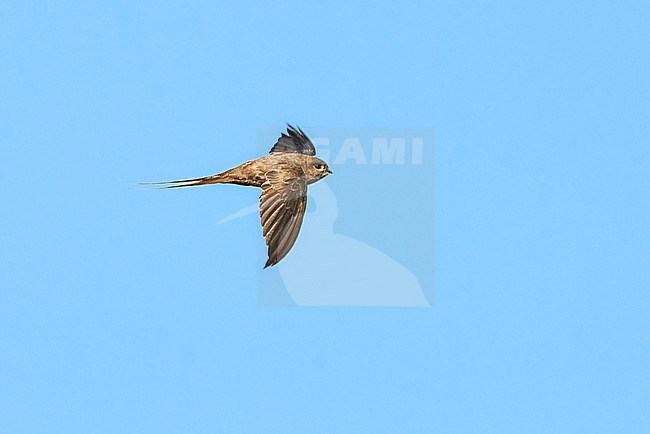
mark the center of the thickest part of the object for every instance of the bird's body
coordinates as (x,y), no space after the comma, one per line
(254,172)
(283,176)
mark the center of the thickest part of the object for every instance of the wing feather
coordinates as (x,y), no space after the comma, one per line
(294,141)
(282,207)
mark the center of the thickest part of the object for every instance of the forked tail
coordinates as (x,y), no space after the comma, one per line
(194,182)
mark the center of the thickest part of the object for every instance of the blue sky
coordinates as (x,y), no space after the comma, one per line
(124,310)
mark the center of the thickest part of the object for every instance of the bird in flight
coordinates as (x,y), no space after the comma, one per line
(283,176)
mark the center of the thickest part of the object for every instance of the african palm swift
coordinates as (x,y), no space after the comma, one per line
(283,176)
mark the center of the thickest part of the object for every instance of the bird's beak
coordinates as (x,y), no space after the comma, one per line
(329,171)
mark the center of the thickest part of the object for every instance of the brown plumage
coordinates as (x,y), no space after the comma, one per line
(283,176)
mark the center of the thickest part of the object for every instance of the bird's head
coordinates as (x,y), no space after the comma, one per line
(316,169)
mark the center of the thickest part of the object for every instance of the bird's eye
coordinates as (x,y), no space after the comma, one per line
(318,166)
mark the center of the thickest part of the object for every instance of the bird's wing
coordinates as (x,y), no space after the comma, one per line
(282,207)
(294,141)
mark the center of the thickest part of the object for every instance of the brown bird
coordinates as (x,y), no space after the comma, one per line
(283,176)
